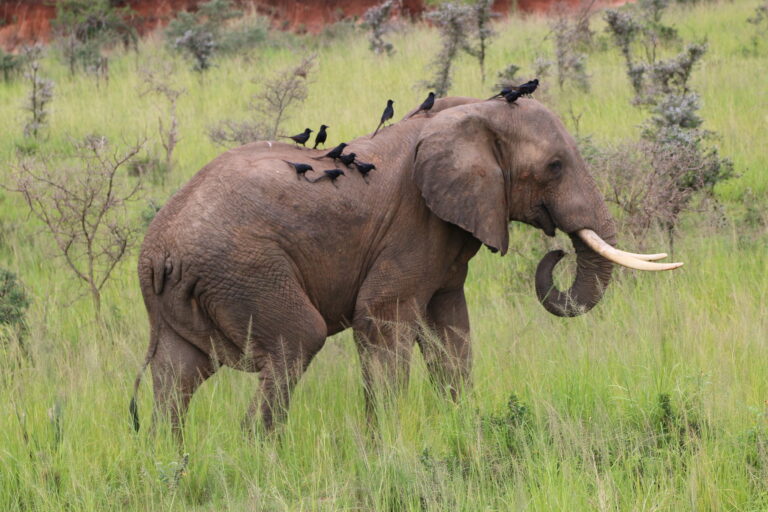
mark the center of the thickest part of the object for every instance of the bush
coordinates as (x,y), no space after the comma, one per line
(14,301)
(82,204)
(86,27)
(10,65)
(508,74)
(653,182)
(482,14)
(161,85)
(269,108)
(377,20)
(573,37)
(676,161)
(39,97)
(452,20)
(204,33)
(759,20)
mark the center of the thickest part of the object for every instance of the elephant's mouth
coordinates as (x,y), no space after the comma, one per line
(543,220)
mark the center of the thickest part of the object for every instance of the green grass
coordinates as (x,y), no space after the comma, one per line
(594,434)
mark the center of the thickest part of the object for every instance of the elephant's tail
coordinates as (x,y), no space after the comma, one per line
(154,269)
(133,407)
(161,267)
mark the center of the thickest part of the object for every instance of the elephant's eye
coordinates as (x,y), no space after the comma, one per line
(555,167)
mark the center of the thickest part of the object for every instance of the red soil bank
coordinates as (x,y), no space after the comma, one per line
(26,21)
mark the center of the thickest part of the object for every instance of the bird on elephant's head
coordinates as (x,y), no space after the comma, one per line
(249,267)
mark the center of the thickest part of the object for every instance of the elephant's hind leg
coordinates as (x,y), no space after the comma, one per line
(178,369)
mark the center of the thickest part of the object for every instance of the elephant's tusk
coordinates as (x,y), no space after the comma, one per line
(644,257)
(630,260)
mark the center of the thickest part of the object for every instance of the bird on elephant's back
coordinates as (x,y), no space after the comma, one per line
(249,267)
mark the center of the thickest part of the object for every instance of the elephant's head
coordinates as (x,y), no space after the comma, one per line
(482,164)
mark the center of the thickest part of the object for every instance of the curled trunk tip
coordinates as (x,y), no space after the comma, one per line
(592,277)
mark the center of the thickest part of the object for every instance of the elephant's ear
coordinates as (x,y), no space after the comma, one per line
(458,173)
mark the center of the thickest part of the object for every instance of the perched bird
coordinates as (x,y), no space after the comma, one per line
(426,105)
(512,96)
(388,113)
(321,136)
(330,174)
(364,169)
(335,153)
(301,138)
(525,89)
(301,169)
(347,159)
(334,173)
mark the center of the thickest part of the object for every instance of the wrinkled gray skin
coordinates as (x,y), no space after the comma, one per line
(249,266)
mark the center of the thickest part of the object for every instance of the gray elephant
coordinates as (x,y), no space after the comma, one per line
(248,266)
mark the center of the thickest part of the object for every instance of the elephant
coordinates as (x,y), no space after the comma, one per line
(252,267)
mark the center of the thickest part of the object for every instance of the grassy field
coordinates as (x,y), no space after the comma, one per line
(656,400)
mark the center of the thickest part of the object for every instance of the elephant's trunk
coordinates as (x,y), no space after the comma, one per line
(593,275)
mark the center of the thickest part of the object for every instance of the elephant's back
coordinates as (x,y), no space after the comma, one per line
(250,194)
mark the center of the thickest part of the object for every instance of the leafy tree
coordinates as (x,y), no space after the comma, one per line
(86,27)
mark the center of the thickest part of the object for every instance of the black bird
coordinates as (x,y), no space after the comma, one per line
(347,159)
(426,105)
(364,169)
(321,136)
(301,138)
(512,96)
(335,153)
(301,169)
(502,93)
(525,89)
(331,174)
(388,113)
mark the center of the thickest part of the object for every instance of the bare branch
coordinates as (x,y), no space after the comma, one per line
(80,201)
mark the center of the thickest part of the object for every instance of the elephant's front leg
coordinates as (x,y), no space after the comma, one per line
(385,336)
(446,346)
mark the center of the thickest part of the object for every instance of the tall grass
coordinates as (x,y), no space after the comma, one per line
(653,401)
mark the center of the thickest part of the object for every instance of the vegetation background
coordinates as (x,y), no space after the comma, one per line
(656,400)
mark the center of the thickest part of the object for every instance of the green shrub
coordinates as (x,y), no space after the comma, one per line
(14,301)
(10,65)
